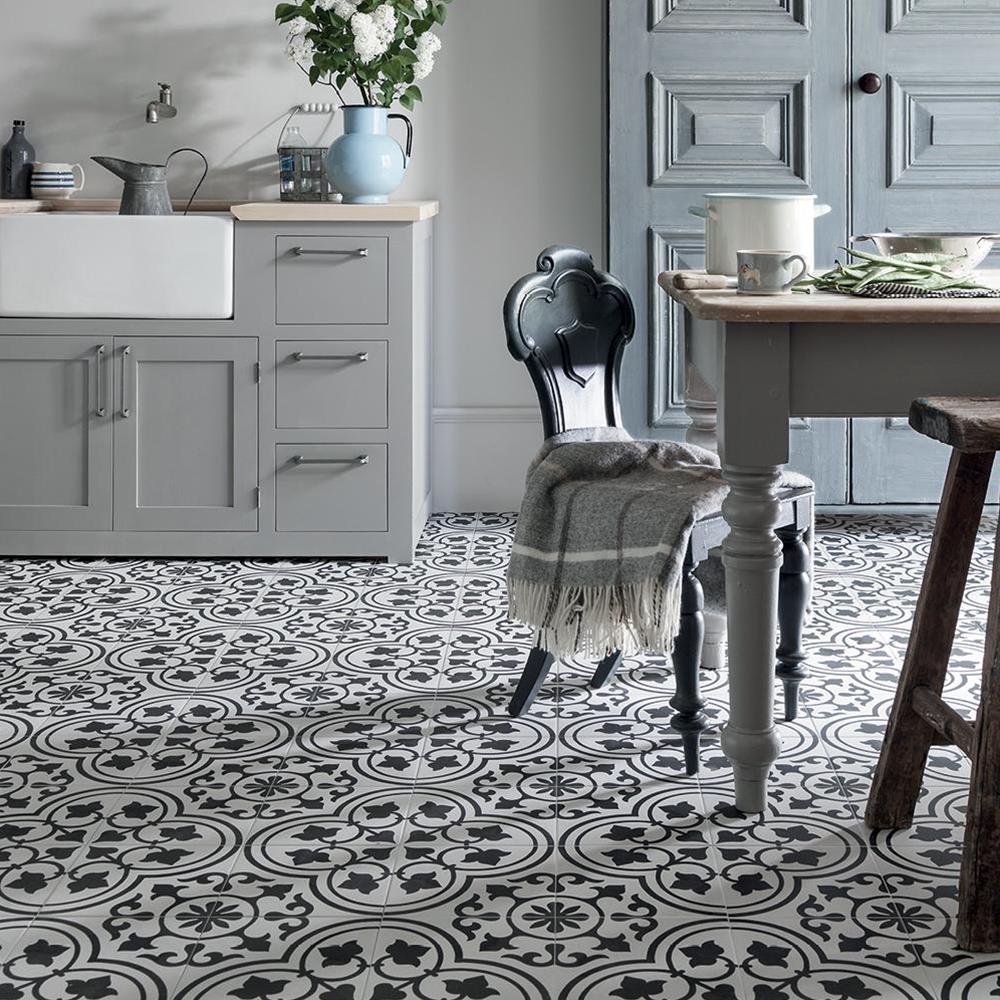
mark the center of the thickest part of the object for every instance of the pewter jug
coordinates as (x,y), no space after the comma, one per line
(145,191)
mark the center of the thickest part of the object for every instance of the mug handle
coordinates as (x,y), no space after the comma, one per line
(820,210)
(805,267)
(701,213)
(83,177)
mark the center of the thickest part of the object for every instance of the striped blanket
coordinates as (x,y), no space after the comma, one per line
(601,539)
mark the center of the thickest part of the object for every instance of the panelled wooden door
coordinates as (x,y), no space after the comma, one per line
(185,434)
(714,95)
(926,156)
(55,433)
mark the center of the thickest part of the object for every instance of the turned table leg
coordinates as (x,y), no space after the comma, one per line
(751,554)
(753,443)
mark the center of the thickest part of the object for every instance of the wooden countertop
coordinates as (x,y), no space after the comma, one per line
(26,206)
(262,211)
(318,211)
(828,307)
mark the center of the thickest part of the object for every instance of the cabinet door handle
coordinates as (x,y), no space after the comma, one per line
(304,252)
(302,460)
(102,403)
(360,358)
(126,409)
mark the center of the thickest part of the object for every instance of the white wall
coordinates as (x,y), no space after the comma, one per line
(509,139)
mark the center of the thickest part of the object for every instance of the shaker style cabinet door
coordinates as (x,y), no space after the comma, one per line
(55,433)
(185,434)
(926,157)
(712,95)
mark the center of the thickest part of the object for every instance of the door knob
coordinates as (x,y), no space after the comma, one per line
(870,83)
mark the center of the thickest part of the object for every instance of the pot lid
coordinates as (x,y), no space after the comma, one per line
(760,197)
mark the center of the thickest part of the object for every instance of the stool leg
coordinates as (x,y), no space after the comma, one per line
(793,602)
(606,669)
(690,720)
(909,738)
(979,886)
(532,679)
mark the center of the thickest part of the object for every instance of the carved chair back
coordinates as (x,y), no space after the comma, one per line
(569,323)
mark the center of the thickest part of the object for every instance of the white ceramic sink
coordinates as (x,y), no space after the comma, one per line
(116,267)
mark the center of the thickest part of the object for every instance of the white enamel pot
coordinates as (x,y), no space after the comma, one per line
(738,220)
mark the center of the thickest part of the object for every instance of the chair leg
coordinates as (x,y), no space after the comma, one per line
(606,669)
(532,678)
(689,719)
(979,885)
(793,601)
(909,738)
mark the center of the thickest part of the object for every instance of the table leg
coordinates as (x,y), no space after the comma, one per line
(753,442)
(701,408)
(751,554)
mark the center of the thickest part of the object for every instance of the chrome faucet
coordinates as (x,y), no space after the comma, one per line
(164,107)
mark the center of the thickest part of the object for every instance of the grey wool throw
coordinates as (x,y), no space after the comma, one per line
(601,540)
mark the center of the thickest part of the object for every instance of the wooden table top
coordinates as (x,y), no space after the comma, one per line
(828,307)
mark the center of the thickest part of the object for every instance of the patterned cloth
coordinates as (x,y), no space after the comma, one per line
(901,290)
(601,540)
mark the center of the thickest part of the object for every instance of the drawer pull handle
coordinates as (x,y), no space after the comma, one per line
(302,460)
(126,409)
(304,252)
(360,358)
(102,403)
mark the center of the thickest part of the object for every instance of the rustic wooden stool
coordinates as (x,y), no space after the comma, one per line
(920,718)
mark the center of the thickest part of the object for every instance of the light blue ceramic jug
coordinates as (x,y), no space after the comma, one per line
(366,164)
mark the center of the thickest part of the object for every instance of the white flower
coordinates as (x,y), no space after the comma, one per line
(423,68)
(300,50)
(342,8)
(384,17)
(421,6)
(427,45)
(367,44)
(299,26)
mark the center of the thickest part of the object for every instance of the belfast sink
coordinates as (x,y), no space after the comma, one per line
(116,267)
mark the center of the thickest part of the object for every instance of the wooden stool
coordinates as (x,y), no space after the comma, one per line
(920,718)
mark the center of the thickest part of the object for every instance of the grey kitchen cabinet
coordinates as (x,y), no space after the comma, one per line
(185,434)
(764,95)
(332,487)
(332,384)
(332,280)
(180,437)
(55,433)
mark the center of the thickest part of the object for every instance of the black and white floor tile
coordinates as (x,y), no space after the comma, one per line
(297,781)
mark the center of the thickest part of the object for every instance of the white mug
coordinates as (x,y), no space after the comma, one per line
(768,272)
(55,180)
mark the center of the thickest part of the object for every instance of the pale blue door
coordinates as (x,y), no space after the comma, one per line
(926,156)
(709,95)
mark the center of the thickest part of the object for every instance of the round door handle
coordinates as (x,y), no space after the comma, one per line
(870,83)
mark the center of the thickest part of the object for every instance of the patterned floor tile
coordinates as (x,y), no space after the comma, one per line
(297,779)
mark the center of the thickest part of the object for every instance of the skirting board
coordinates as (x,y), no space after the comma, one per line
(480,455)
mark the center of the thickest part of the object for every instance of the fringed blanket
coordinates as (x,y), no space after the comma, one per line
(601,540)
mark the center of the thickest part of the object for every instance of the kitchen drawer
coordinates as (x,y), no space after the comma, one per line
(332,383)
(332,280)
(326,487)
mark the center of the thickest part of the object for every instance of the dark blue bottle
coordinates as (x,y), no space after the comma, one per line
(16,160)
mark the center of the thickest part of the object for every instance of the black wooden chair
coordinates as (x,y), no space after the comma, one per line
(569,323)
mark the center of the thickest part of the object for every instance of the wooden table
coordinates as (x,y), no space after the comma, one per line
(753,363)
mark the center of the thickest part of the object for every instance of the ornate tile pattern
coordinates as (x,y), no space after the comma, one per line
(297,781)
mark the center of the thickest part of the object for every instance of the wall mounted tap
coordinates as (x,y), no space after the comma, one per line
(164,107)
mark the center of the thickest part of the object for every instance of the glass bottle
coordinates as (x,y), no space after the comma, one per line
(16,159)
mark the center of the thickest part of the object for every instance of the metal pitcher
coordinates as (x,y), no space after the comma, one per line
(145,191)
